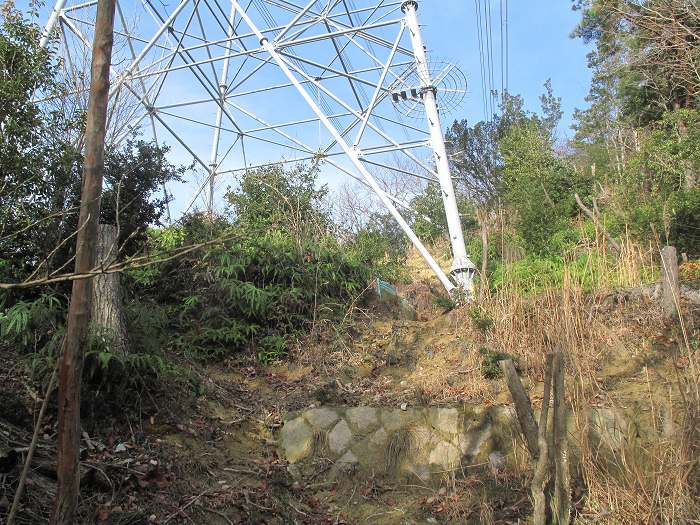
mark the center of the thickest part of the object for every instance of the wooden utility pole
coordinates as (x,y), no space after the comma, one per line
(71,366)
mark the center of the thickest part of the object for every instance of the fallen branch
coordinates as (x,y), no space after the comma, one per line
(32,447)
(220,514)
(187,505)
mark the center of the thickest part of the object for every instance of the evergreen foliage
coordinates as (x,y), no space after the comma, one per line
(285,272)
(281,269)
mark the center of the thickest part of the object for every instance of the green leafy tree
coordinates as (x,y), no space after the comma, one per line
(551,110)
(380,245)
(650,48)
(38,172)
(283,271)
(133,199)
(538,184)
(656,192)
(40,166)
(640,130)
(278,198)
(476,161)
(430,222)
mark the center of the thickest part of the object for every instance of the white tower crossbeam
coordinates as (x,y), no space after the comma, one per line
(249,84)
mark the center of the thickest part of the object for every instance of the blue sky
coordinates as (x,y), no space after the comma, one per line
(540,48)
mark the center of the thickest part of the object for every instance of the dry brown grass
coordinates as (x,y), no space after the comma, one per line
(644,482)
(653,477)
(620,356)
(399,446)
(611,340)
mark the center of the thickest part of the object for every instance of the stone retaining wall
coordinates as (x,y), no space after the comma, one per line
(425,442)
(415,441)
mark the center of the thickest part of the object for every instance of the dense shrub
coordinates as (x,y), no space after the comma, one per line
(540,187)
(29,325)
(278,271)
(491,363)
(256,292)
(675,219)
(430,222)
(660,194)
(381,247)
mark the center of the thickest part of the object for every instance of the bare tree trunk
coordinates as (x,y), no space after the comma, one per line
(71,366)
(107,316)
(622,147)
(562,477)
(689,177)
(669,283)
(596,220)
(484,252)
(540,478)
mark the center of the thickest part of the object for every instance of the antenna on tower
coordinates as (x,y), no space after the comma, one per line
(449,83)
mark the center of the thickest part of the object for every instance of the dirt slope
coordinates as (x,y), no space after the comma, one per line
(209,455)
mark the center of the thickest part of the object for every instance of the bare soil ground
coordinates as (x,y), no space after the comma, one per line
(204,451)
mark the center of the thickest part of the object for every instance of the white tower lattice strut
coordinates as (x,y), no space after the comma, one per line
(222,77)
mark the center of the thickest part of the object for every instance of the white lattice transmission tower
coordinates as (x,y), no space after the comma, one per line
(243,84)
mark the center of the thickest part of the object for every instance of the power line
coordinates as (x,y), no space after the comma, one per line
(480,39)
(507,48)
(485,38)
(503,80)
(487,61)
(489,48)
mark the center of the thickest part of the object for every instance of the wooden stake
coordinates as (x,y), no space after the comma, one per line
(540,477)
(669,283)
(561,506)
(523,407)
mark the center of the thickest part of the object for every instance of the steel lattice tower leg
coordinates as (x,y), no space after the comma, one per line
(462,269)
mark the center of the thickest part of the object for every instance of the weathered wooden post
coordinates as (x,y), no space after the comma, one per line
(670,291)
(540,478)
(523,406)
(561,505)
(548,448)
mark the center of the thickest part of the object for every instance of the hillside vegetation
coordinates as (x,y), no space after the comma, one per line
(234,320)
